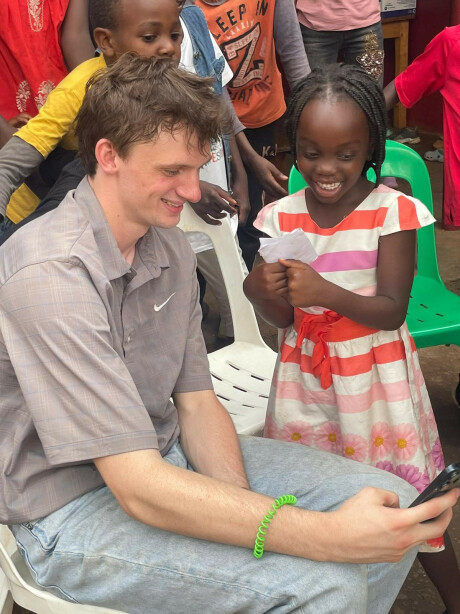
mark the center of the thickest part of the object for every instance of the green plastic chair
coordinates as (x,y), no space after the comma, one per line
(433,315)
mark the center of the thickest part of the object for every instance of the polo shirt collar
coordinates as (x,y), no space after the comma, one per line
(149,248)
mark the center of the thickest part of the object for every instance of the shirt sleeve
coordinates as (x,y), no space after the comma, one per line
(267,220)
(194,374)
(80,394)
(426,73)
(288,42)
(237,126)
(55,118)
(17,160)
(406,213)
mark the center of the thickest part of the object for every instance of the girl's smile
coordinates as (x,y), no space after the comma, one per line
(332,149)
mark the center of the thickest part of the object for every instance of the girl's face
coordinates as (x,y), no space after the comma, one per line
(332,148)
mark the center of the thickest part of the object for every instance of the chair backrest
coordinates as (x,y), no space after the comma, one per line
(402,162)
(245,325)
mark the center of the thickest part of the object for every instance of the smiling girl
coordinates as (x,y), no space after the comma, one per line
(348,379)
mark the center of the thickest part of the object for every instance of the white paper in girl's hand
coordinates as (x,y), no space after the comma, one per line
(294,245)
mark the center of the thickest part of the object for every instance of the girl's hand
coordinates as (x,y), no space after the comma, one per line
(305,286)
(266,282)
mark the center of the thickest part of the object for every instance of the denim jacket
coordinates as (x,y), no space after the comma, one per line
(205,62)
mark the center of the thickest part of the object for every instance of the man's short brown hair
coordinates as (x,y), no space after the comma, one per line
(136,98)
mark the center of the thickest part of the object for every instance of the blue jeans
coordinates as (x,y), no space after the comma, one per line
(5,226)
(90,551)
(363,47)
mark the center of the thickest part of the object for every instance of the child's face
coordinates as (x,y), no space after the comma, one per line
(150,28)
(332,148)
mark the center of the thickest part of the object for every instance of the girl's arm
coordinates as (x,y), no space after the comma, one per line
(266,288)
(385,311)
(76,42)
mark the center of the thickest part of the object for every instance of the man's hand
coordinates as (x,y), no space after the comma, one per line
(266,282)
(305,286)
(368,529)
(214,203)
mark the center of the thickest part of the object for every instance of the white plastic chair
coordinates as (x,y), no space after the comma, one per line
(16,584)
(242,371)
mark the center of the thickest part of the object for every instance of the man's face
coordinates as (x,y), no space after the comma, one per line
(156,178)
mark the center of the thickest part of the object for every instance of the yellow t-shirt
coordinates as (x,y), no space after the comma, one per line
(52,126)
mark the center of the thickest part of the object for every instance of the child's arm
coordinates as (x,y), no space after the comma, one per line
(288,42)
(386,310)
(76,42)
(266,288)
(214,203)
(239,182)
(267,174)
(391,95)
(17,160)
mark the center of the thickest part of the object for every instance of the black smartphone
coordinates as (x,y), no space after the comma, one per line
(448,478)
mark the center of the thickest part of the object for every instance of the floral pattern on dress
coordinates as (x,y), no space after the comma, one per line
(406,441)
(328,437)
(297,432)
(22,96)
(413,475)
(438,456)
(42,93)
(35,8)
(355,447)
(381,442)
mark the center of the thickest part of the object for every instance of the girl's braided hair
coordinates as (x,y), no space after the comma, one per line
(337,82)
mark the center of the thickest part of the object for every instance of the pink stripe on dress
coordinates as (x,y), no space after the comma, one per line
(348,403)
(391,393)
(356,260)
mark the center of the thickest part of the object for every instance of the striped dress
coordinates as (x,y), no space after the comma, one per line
(339,386)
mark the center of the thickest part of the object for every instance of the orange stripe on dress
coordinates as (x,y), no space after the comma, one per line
(357,220)
(332,327)
(407,213)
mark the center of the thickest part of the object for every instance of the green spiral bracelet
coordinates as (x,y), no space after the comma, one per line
(263,528)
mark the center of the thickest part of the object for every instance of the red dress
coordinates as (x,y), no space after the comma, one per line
(31,59)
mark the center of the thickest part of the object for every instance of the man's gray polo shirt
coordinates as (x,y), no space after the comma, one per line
(91,350)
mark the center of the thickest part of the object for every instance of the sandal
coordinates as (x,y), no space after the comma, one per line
(436,155)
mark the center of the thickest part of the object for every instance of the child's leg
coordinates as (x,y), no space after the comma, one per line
(443,571)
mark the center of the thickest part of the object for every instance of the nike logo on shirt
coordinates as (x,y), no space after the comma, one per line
(158,307)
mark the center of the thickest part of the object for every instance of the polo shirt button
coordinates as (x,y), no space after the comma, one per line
(128,340)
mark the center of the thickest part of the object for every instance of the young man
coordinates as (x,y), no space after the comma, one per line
(115,494)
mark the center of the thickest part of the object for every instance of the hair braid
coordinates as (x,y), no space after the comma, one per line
(335,81)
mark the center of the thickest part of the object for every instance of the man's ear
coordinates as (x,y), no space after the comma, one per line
(104,41)
(107,156)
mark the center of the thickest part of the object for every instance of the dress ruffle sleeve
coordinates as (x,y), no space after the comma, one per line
(406,213)
(267,220)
